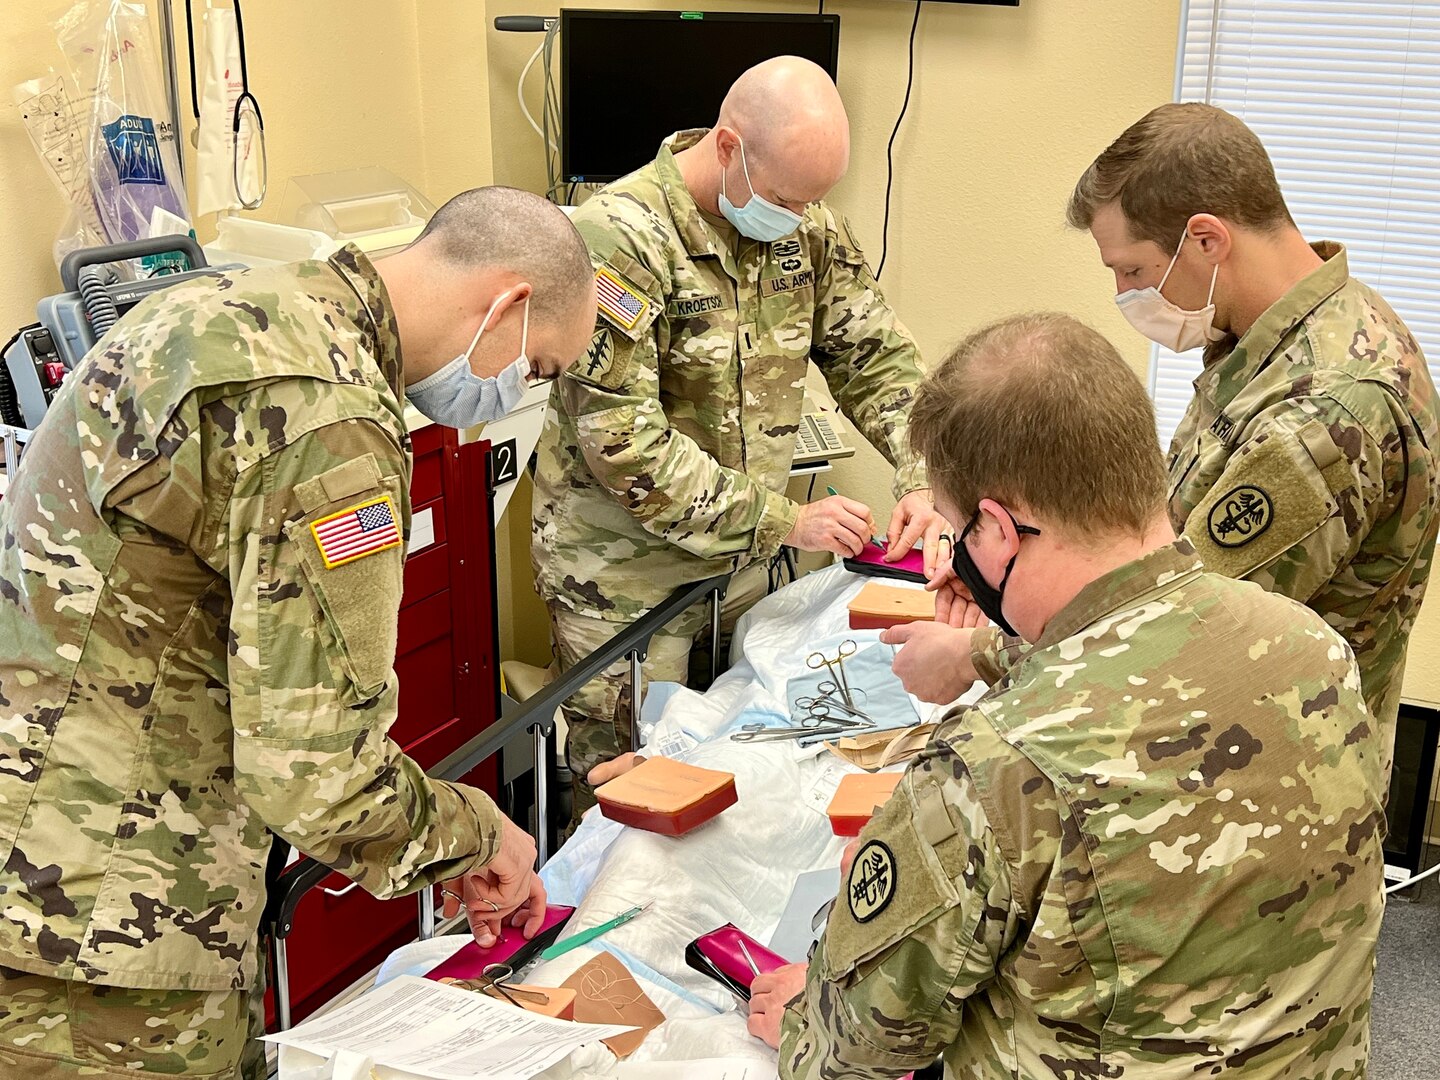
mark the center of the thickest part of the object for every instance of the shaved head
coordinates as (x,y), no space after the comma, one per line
(793,124)
(503,228)
(501,261)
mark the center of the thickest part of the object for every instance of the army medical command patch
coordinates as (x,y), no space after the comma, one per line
(872,881)
(1241,516)
(618,301)
(359,531)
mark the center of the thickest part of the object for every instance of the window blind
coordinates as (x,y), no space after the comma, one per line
(1345,95)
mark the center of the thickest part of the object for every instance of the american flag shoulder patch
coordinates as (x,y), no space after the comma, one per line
(618,300)
(357,531)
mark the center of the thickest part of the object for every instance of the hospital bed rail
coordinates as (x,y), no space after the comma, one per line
(536,716)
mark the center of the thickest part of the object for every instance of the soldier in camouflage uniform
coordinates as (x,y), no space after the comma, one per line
(1306,460)
(667,449)
(190,662)
(1152,849)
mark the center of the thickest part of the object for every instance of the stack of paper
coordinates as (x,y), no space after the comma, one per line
(428,1029)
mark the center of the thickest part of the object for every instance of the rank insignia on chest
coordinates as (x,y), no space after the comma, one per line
(356,532)
(1241,516)
(789,268)
(872,881)
(618,301)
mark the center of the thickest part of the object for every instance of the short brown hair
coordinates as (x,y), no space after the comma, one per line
(1180,160)
(1040,410)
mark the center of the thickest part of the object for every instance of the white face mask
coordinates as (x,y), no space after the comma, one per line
(456,397)
(1162,322)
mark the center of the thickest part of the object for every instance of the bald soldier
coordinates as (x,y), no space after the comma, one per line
(190,663)
(666,452)
(1122,861)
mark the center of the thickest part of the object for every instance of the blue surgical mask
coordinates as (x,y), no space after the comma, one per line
(456,397)
(759,219)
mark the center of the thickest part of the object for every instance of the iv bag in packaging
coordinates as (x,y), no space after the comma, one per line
(131,161)
(222,85)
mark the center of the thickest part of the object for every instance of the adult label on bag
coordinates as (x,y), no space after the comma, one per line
(134,150)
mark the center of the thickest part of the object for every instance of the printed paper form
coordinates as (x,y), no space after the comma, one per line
(433,1030)
(699,1069)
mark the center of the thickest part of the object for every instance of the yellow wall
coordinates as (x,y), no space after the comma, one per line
(1422,673)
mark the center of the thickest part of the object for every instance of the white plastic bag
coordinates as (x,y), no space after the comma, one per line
(47,111)
(220,90)
(131,157)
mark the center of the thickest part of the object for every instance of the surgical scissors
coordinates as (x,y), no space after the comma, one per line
(836,666)
(491,978)
(819,711)
(830,701)
(789,733)
(810,738)
(847,649)
(820,714)
(831,690)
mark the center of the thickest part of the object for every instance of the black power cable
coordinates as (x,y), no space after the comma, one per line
(890,149)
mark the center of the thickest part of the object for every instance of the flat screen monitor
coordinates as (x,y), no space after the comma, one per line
(630,78)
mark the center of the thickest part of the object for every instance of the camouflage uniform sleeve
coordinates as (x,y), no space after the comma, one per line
(993,654)
(672,487)
(918,929)
(1296,498)
(869,359)
(312,688)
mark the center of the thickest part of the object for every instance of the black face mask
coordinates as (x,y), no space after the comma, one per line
(987,596)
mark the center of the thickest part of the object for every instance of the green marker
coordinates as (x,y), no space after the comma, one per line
(873,539)
(560,948)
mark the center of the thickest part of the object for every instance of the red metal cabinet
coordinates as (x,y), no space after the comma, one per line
(448,668)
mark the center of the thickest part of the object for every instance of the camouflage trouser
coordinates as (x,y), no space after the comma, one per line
(253,1064)
(52,1029)
(598,714)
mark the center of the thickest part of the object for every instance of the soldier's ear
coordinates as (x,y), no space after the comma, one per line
(516,293)
(727,145)
(1211,235)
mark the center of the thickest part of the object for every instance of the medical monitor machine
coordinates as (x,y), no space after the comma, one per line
(630,78)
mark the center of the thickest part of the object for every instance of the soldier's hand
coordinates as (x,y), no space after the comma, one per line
(933,662)
(609,770)
(915,519)
(507,887)
(953,604)
(847,858)
(769,994)
(835,524)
